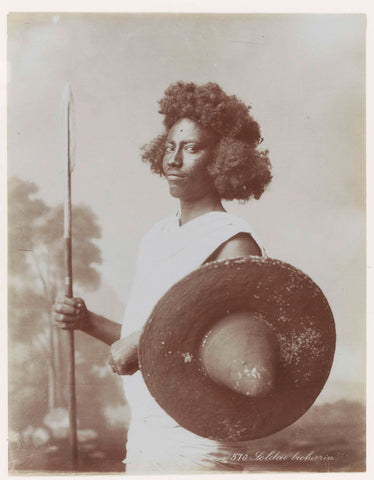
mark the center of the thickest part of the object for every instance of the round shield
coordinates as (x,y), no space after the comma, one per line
(290,304)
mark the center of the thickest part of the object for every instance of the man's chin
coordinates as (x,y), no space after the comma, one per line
(174,191)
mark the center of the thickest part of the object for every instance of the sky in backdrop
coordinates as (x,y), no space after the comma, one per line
(304,77)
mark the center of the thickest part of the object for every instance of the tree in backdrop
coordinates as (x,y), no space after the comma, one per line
(37,372)
(35,275)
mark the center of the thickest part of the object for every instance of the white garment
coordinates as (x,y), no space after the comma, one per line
(167,253)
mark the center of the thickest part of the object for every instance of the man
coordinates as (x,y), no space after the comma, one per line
(208,153)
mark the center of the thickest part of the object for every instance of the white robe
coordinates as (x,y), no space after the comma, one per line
(167,253)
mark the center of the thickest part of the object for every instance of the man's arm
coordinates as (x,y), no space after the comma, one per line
(102,328)
(72,314)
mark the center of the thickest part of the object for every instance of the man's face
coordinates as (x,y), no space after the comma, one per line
(188,151)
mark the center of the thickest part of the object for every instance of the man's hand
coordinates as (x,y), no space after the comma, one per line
(124,355)
(69,313)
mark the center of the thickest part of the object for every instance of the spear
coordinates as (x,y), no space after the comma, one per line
(68,160)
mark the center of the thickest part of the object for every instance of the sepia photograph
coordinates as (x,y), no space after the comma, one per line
(186,208)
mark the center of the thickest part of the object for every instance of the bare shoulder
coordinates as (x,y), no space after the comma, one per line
(240,245)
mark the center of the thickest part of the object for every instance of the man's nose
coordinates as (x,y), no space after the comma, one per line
(176,159)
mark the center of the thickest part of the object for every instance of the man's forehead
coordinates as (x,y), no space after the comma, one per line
(188,131)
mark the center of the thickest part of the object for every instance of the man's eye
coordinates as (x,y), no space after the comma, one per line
(169,148)
(192,149)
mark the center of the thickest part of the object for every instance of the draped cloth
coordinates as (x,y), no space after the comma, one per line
(167,253)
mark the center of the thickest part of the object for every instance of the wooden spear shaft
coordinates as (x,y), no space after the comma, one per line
(68,104)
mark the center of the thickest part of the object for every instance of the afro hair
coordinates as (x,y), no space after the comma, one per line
(238,168)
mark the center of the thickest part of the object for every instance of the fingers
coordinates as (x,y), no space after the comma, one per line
(113,365)
(69,301)
(68,306)
(65,309)
(64,326)
(67,313)
(123,368)
(64,322)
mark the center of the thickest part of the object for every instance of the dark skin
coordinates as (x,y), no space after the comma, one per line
(188,151)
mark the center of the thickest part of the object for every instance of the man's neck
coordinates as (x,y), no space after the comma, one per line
(190,209)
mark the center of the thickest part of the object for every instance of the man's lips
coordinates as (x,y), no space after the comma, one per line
(173,175)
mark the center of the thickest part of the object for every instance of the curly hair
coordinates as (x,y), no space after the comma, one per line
(239,169)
